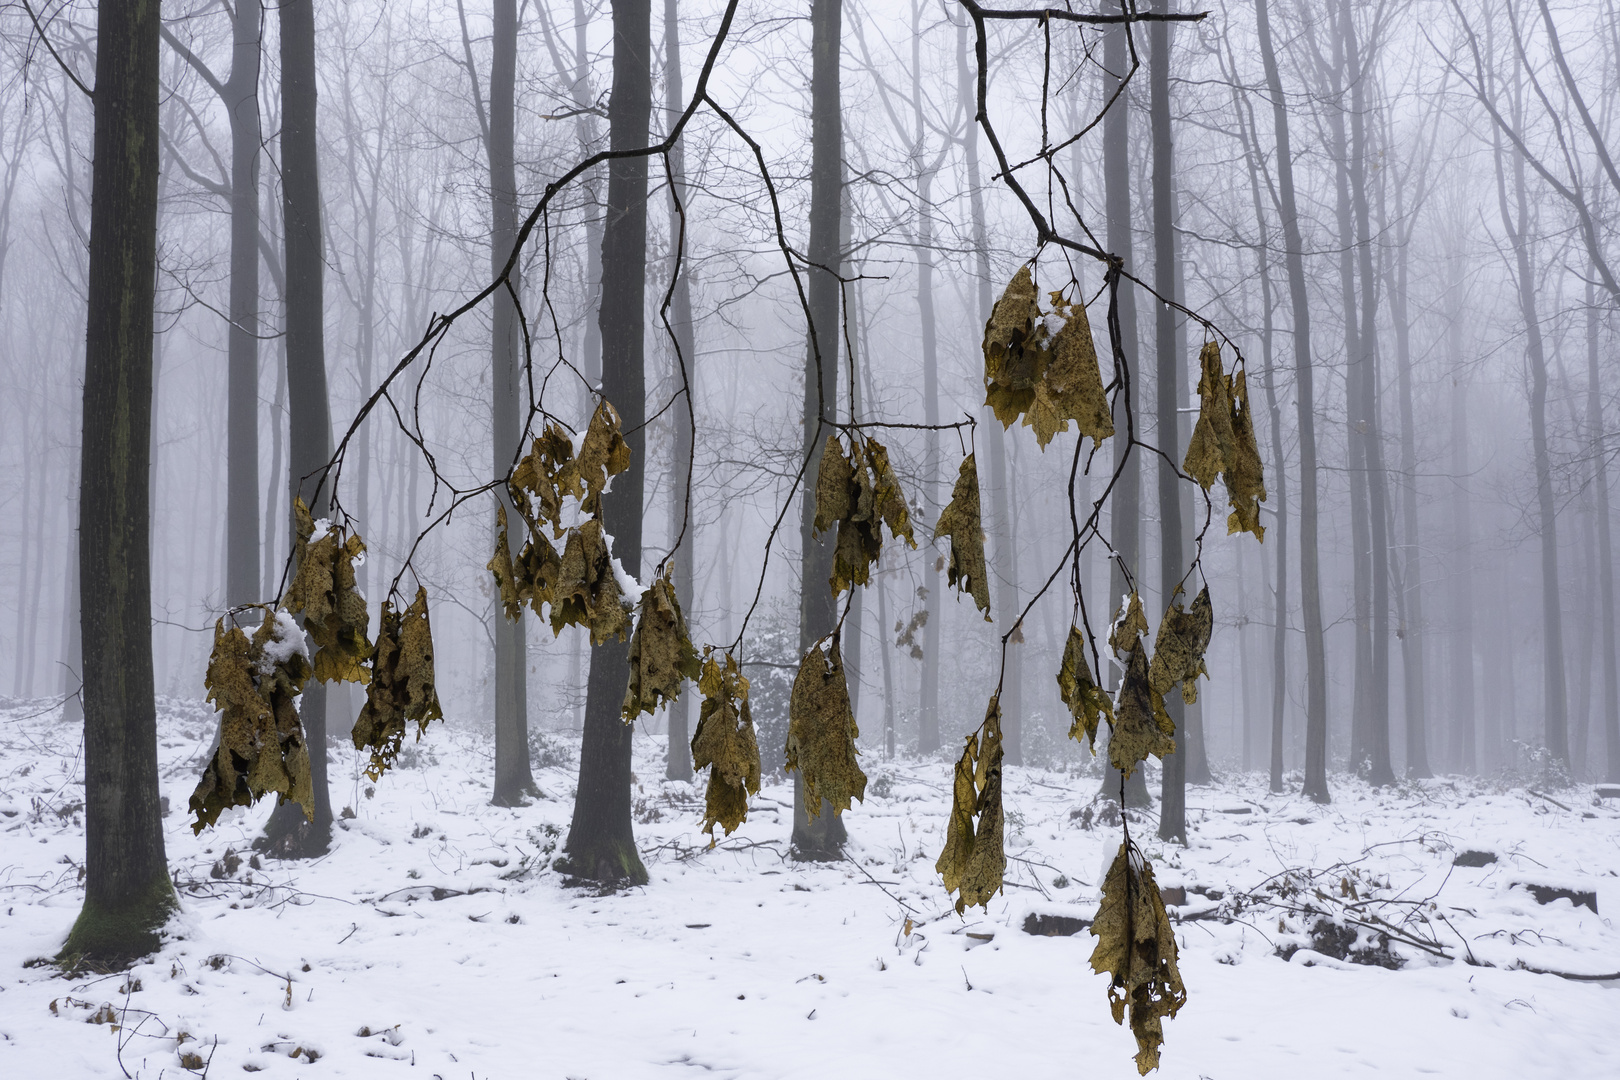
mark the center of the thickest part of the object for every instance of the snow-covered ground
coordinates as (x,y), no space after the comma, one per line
(435,941)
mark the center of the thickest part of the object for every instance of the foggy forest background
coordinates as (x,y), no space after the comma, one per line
(1456,198)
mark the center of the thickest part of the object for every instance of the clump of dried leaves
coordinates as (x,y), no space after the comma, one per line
(587,592)
(531,578)
(1043,367)
(822,732)
(661,653)
(1223,443)
(324,591)
(255,684)
(552,471)
(402,685)
(1136,948)
(962,522)
(858,491)
(725,740)
(975,860)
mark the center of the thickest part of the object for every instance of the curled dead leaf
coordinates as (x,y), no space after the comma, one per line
(822,732)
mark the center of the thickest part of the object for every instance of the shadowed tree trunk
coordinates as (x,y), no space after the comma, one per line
(310,421)
(128,896)
(1316,786)
(1464,752)
(1173,793)
(821,837)
(679,761)
(601,842)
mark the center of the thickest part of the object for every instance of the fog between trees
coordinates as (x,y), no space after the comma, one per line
(1433,250)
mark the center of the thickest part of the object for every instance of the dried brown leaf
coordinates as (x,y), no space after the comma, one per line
(822,732)
(1126,629)
(1245,477)
(889,501)
(1141,726)
(835,483)
(255,683)
(962,523)
(974,862)
(725,742)
(1178,650)
(403,687)
(661,653)
(1136,947)
(587,592)
(1087,702)
(324,591)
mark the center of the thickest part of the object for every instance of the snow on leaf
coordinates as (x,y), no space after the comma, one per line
(661,653)
(588,592)
(324,591)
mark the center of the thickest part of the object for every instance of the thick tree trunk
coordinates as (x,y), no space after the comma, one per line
(128,896)
(514,779)
(310,420)
(242,584)
(601,842)
(821,837)
(679,761)
(1316,786)
(1173,792)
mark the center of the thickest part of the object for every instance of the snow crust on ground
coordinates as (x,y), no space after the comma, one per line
(434,940)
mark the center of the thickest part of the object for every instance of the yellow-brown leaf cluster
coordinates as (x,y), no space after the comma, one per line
(1137,949)
(588,592)
(661,653)
(725,742)
(552,470)
(529,579)
(1043,367)
(856,489)
(1087,702)
(822,732)
(975,860)
(402,685)
(255,683)
(962,522)
(1223,443)
(324,591)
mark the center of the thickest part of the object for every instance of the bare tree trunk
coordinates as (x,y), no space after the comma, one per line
(1605,551)
(1173,793)
(823,836)
(1370,423)
(1555,693)
(679,760)
(242,584)
(1310,589)
(601,841)
(128,896)
(1464,750)
(514,779)
(1003,552)
(1412,623)
(1125,507)
(310,419)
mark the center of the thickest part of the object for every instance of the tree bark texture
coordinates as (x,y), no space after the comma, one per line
(601,842)
(821,837)
(128,896)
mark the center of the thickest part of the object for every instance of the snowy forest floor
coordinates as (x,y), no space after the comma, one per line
(434,940)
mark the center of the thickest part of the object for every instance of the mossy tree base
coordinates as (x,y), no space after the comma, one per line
(609,862)
(107,938)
